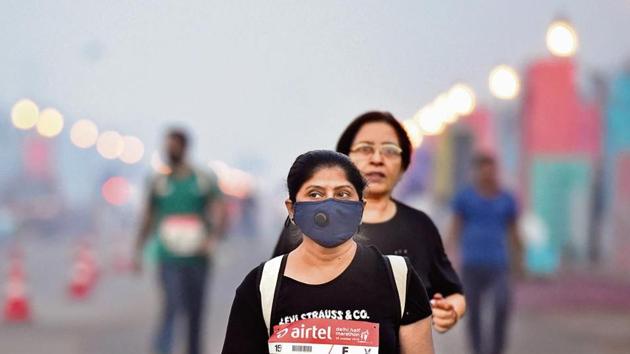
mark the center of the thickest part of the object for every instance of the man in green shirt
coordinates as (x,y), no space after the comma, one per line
(186,215)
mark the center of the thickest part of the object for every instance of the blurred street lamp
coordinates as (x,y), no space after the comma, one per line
(84,133)
(24,114)
(110,145)
(562,39)
(232,181)
(462,98)
(429,121)
(116,191)
(444,109)
(504,82)
(50,123)
(413,132)
(133,150)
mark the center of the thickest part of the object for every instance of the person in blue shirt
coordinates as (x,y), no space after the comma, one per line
(485,228)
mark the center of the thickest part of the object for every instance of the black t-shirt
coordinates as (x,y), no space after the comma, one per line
(410,233)
(365,291)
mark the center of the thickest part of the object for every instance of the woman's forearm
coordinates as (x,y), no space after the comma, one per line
(416,338)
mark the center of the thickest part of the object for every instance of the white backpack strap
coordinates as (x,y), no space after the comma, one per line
(268,281)
(399,268)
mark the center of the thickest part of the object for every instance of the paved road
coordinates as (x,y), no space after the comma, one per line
(576,314)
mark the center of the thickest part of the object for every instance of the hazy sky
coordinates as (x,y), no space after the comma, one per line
(271,79)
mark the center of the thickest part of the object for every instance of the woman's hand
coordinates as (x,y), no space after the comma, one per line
(444,314)
(416,338)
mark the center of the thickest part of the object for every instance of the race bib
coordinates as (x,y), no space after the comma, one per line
(325,336)
(182,234)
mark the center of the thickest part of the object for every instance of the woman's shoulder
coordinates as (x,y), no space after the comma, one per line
(369,252)
(371,259)
(251,281)
(411,214)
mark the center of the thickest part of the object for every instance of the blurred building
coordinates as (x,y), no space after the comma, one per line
(617,171)
(566,155)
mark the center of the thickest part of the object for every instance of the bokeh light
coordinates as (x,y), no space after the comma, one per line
(110,145)
(50,123)
(24,114)
(84,133)
(133,150)
(116,191)
(504,82)
(462,98)
(444,110)
(429,121)
(232,181)
(562,39)
(414,132)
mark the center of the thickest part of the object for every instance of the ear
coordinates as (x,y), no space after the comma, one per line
(289,205)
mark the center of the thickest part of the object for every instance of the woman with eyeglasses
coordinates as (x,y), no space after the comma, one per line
(379,146)
(330,294)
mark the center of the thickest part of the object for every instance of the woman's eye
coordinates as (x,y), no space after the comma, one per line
(390,151)
(343,195)
(314,195)
(365,149)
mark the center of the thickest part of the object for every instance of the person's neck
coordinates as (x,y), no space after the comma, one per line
(180,169)
(378,208)
(488,189)
(315,255)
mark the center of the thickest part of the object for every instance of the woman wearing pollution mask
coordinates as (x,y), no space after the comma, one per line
(378,145)
(330,294)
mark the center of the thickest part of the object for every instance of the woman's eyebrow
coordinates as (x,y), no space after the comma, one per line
(373,143)
(314,186)
(343,186)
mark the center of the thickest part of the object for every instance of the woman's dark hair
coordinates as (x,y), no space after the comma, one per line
(307,164)
(344,144)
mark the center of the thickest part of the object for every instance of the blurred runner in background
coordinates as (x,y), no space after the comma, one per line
(484,224)
(186,214)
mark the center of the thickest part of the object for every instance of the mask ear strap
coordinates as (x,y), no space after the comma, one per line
(289,220)
(291,217)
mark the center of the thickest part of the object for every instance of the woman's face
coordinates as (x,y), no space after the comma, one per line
(326,183)
(373,151)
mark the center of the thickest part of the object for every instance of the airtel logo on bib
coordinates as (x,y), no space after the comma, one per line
(303,332)
(281,333)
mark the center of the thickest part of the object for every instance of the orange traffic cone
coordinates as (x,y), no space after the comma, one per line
(16,307)
(84,274)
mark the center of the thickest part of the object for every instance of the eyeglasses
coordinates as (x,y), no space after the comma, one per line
(365,150)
